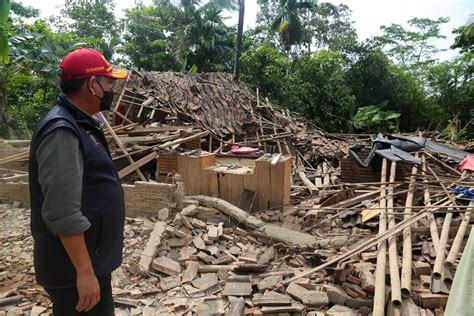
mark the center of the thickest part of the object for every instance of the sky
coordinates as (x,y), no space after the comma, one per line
(368,15)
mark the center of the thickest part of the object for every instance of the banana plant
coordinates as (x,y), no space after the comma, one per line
(5,6)
(32,53)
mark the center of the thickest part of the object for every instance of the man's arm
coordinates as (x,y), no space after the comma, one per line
(60,172)
(87,284)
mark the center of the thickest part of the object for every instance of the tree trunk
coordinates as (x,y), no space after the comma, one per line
(238,48)
(4,117)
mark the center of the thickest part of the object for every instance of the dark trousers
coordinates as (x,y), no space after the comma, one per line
(65,300)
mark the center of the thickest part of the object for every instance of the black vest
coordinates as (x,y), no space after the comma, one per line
(102,201)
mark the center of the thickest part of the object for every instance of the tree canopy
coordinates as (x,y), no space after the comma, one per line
(301,54)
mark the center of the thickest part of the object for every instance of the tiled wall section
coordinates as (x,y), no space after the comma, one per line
(141,199)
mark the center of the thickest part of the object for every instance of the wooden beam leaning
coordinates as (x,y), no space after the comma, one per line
(407,246)
(310,185)
(125,152)
(137,164)
(379,295)
(392,245)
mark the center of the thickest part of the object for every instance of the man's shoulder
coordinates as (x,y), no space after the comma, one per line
(57,117)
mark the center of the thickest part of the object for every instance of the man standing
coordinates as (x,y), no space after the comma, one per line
(77,204)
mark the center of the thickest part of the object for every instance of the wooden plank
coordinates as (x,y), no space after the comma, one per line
(250,183)
(158,129)
(246,200)
(276,184)
(183,140)
(223,184)
(194,166)
(204,183)
(119,143)
(236,187)
(262,170)
(213,184)
(136,165)
(287,181)
(183,170)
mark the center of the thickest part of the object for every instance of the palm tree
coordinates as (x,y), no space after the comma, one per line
(198,31)
(288,22)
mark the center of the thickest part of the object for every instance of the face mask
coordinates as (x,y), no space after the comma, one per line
(106,100)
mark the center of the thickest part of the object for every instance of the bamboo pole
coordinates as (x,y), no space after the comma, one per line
(379,295)
(437,273)
(392,245)
(427,201)
(456,246)
(23,153)
(441,254)
(407,246)
(371,242)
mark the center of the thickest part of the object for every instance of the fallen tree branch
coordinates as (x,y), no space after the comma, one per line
(270,231)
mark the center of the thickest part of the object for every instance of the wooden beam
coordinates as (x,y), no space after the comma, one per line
(119,143)
(137,164)
(183,140)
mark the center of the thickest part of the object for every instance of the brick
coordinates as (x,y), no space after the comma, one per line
(421,267)
(167,266)
(191,271)
(296,291)
(205,282)
(432,301)
(269,282)
(169,283)
(367,281)
(315,298)
(336,294)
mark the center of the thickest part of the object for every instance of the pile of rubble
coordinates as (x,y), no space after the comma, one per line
(212,258)
(381,233)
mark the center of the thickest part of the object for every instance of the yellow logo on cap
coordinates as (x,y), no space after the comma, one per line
(94,69)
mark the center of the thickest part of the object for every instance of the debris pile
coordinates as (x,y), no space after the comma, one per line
(378,231)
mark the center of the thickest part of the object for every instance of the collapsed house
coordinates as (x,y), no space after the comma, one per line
(235,206)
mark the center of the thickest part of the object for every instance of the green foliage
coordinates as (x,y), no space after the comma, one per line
(465,37)
(94,22)
(145,42)
(329,26)
(412,48)
(24,11)
(4,48)
(300,55)
(373,118)
(198,34)
(31,98)
(263,67)
(317,89)
(452,89)
(456,133)
(288,22)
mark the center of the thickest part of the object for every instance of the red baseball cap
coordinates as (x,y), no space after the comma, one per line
(88,62)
